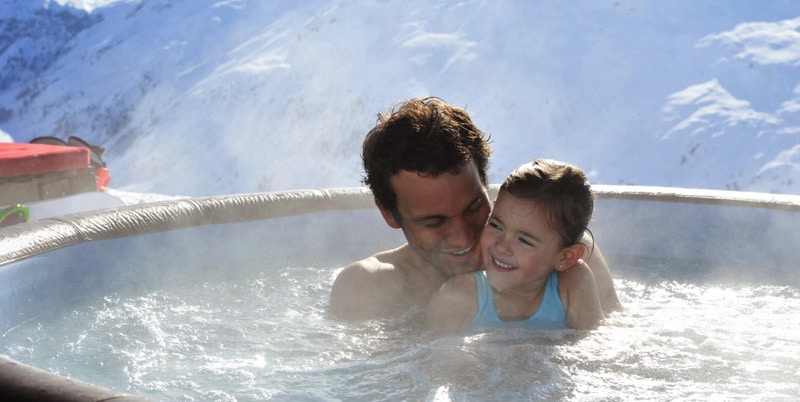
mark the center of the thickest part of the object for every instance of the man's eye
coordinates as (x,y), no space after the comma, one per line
(433,224)
(475,207)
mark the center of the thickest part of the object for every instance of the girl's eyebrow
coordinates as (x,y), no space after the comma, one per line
(532,237)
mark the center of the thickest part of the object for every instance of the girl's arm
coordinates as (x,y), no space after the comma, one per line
(453,307)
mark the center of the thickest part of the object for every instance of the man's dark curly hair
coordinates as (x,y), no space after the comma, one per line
(423,135)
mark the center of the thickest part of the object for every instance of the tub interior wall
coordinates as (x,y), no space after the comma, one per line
(642,240)
(240,310)
(698,243)
(137,263)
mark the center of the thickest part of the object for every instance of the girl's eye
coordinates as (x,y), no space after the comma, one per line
(525,241)
(494,224)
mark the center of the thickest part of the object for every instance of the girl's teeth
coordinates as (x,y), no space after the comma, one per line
(503,265)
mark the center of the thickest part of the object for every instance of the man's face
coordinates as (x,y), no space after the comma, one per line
(442,217)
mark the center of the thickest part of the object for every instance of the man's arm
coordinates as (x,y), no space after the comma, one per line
(602,276)
(581,301)
(366,289)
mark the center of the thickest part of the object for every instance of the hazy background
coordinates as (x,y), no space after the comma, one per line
(203,97)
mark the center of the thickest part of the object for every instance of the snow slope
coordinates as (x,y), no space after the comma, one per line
(209,97)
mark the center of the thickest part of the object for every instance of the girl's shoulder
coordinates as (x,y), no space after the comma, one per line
(454,305)
(461,281)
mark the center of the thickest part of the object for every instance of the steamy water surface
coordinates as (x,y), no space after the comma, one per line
(266,334)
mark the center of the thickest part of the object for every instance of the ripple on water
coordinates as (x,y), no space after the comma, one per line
(268,336)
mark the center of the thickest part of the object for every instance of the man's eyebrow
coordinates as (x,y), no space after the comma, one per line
(423,218)
(475,201)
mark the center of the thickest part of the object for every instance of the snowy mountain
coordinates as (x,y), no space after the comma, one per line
(201,97)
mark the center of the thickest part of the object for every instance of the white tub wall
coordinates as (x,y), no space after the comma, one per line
(699,242)
(80,259)
(686,240)
(136,263)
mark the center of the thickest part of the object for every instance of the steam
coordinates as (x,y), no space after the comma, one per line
(227,97)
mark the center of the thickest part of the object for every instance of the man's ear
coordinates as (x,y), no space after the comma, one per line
(388,216)
(569,256)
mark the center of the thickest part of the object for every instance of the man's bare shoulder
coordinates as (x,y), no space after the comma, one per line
(380,263)
(369,287)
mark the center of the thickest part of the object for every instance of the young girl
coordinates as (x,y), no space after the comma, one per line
(534,276)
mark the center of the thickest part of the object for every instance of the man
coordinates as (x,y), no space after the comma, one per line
(426,164)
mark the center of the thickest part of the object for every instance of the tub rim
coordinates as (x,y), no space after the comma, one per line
(24,240)
(28,239)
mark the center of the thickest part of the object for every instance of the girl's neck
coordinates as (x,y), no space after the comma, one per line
(518,304)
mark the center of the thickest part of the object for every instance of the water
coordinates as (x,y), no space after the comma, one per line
(251,334)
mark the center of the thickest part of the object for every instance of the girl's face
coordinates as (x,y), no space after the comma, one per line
(519,247)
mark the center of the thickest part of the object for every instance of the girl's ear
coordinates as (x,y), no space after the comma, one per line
(569,256)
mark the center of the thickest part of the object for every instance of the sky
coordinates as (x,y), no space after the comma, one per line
(212,97)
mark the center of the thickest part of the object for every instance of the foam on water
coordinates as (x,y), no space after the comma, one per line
(236,334)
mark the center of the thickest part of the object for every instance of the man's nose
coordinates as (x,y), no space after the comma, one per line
(462,233)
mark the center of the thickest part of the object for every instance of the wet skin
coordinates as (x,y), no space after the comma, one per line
(519,251)
(442,219)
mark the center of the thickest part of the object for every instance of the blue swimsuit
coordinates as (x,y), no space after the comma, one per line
(551,313)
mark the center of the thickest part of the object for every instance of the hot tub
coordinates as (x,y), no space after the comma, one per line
(225,298)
